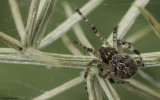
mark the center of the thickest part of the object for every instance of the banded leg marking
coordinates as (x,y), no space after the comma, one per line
(115,30)
(95,53)
(93,28)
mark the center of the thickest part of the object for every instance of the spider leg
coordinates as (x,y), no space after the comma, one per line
(131,48)
(101,70)
(95,53)
(115,45)
(93,28)
(120,49)
(94,61)
(115,30)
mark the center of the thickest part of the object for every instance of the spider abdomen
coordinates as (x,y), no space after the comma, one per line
(123,66)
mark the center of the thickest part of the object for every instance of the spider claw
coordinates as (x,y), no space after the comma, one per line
(116,27)
(77,10)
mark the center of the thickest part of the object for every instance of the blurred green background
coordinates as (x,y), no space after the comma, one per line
(29,81)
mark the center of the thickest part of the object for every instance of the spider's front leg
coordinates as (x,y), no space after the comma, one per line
(102,72)
(115,30)
(93,28)
(115,45)
(94,61)
(131,48)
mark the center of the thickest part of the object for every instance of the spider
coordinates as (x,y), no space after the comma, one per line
(111,61)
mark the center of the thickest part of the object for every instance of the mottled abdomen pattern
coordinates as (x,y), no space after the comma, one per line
(123,66)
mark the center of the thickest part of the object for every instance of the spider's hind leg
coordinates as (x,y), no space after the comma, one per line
(131,48)
(94,61)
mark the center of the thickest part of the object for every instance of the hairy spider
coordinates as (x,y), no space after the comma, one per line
(111,61)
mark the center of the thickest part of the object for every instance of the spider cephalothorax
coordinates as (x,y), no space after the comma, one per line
(106,53)
(111,61)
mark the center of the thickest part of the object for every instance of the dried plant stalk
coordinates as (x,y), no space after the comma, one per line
(98,89)
(90,87)
(149,78)
(31,23)
(29,53)
(72,61)
(128,19)
(51,93)
(141,88)
(76,28)
(13,43)
(70,45)
(44,15)
(108,89)
(17,18)
(40,12)
(139,35)
(64,27)
(151,20)
(150,59)
(42,57)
